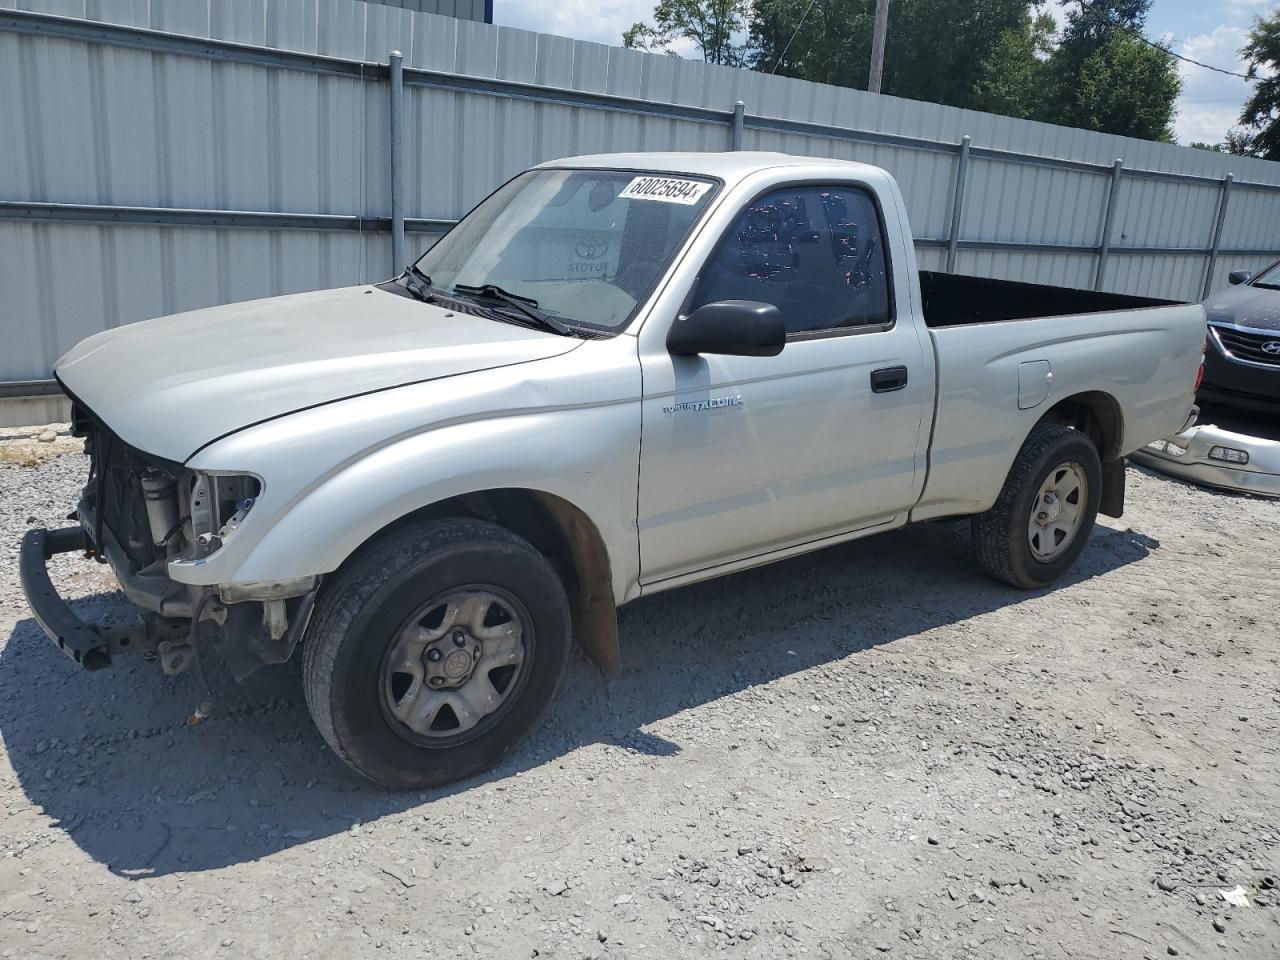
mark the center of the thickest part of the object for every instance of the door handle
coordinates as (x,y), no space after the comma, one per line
(888,379)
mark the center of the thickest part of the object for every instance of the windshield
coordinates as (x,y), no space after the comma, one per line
(1268,279)
(587,246)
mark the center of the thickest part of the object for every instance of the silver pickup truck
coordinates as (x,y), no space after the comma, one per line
(616,375)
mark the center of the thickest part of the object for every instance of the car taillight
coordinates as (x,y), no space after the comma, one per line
(1204,351)
(1200,376)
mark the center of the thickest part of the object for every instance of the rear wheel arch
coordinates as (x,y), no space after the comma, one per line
(567,537)
(1096,414)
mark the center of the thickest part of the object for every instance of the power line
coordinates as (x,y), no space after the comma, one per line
(1137,35)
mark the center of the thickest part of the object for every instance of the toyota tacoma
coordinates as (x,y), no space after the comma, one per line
(617,375)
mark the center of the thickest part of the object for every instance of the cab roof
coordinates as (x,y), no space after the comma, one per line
(730,167)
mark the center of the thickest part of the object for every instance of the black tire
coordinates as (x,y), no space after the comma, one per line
(361,611)
(1000,537)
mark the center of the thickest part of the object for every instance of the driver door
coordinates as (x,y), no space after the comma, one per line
(742,456)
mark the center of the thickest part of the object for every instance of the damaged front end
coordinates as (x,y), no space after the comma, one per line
(140,513)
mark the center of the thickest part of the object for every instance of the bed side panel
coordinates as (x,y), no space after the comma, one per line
(1145,359)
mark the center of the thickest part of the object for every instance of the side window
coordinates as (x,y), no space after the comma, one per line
(816,253)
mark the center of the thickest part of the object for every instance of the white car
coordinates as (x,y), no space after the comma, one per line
(616,375)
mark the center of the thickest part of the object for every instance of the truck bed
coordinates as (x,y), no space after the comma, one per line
(995,381)
(952,300)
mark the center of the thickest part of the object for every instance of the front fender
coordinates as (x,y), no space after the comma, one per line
(546,453)
(335,476)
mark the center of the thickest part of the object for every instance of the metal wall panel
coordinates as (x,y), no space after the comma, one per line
(1252,219)
(1170,277)
(66,281)
(123,124)
(1027,204)
(1159,213)
(463,9)
(1058,269)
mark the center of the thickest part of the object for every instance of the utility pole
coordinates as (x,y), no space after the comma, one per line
(877,45)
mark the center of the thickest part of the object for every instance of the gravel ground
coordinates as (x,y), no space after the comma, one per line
(871,751)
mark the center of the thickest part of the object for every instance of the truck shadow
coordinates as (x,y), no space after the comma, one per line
(109,758)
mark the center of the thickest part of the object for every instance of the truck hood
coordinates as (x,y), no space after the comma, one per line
(171,385)
(1245,306)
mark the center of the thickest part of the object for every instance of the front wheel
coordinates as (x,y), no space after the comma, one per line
(434,650)
(1042,519)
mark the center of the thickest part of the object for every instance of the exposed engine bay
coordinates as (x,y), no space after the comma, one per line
(138,514)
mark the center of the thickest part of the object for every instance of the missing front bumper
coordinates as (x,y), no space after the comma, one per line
(77,639)
(253,623)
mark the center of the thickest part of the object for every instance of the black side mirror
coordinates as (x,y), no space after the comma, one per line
(1240,276)
(739,328)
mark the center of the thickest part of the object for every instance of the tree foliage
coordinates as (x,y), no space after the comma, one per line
(1003,56)
(1107,77)
(1015,78)
(711,25)
(1238,143)
(1127,87)
(1261,113)
(832,44)
(934,49)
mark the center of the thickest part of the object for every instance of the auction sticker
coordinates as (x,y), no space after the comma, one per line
(666,189)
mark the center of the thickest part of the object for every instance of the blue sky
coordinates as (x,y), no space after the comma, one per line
(1208,30)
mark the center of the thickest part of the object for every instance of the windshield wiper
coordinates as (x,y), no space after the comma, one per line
(423,288)
(528,307)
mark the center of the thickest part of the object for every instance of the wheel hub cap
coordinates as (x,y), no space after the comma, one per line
(454,663)
(450,661)
(1050,509)
(1057,513)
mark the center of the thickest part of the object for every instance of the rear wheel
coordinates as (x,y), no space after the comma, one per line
(434,650)
(1041,521)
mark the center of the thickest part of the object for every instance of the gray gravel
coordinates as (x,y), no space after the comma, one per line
(872,751)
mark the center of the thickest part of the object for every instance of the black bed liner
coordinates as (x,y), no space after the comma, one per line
(951,299)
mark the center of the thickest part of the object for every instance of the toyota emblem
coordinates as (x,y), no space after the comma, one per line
(591,248)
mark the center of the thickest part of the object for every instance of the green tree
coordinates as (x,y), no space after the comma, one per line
(1003,56)
(1211,147)
(1107,77)
(1128,87)
(942,46)
(829,42)
(1015,78)
(935,50)
(1238,143)
(1261,112)
(1090,24)
(710,24)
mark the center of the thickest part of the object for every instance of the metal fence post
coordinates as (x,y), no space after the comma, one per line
(957,203)
(739,116)
(1217,234)
(1108,218)
(396,60)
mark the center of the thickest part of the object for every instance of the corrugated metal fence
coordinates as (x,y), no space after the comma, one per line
(161,155)
(481,10)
